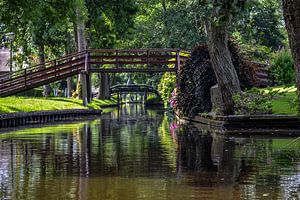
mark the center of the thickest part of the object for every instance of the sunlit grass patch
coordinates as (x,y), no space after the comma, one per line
(30,104)
(284,103)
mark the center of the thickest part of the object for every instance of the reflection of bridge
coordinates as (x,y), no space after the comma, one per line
(92,61)
(132,88)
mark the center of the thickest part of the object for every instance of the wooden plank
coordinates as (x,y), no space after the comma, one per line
(113,57)
(132,62)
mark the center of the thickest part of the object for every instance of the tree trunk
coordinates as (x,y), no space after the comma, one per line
(104,87)
(221,61)
(81,43)
(291,13)
(41,54)
(69,79)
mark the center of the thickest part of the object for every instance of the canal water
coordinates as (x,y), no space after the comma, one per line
(140,153)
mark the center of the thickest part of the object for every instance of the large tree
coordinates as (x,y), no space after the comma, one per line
(218,18)
(291,13)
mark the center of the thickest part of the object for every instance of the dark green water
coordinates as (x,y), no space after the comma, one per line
(140,155)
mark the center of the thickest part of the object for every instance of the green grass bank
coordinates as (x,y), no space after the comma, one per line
(29,104)
(286,103)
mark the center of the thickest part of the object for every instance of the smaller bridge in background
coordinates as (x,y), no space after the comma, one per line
(119,90)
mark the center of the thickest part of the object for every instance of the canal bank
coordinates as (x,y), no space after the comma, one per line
(39,117)
(247,124)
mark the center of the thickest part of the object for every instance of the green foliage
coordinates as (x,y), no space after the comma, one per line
(282,67)
(166,87)
(254,101)
(262,24)
(254,52)
(154,99)
(168,24)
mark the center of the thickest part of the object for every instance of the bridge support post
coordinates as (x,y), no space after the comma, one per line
(86,88)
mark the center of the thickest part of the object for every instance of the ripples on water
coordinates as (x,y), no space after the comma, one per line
(140,154)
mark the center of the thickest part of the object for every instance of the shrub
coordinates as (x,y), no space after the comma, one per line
(282,68)
(166,86)
(254,101)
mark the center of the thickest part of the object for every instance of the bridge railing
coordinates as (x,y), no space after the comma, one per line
(38,74)
(42,67)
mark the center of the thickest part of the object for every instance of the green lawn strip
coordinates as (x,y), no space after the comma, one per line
(30,104)
(283,104)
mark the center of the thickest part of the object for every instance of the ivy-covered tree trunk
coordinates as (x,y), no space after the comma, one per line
(221,61)
(41,54)
(291,12)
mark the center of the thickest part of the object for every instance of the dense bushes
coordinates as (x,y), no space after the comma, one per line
(282,68)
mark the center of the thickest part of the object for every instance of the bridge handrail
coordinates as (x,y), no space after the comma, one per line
(40,67)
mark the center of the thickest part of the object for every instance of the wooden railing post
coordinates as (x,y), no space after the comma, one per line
(25,77)
(148,58)
(55,71)
(178,59)
(117,58)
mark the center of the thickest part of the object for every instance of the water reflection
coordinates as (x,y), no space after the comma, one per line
(137,153)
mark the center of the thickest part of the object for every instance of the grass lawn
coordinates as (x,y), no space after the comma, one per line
(284,104)
(29,104)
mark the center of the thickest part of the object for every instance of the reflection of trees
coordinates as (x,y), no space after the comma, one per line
(248,168)
(62,165)
(207,161)
(97,156)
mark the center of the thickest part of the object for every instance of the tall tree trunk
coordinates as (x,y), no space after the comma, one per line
(227,78)
(69,79)
(41,54)
(81,43)
(291,13)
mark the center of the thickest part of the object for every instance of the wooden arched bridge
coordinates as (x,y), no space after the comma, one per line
(92,61)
